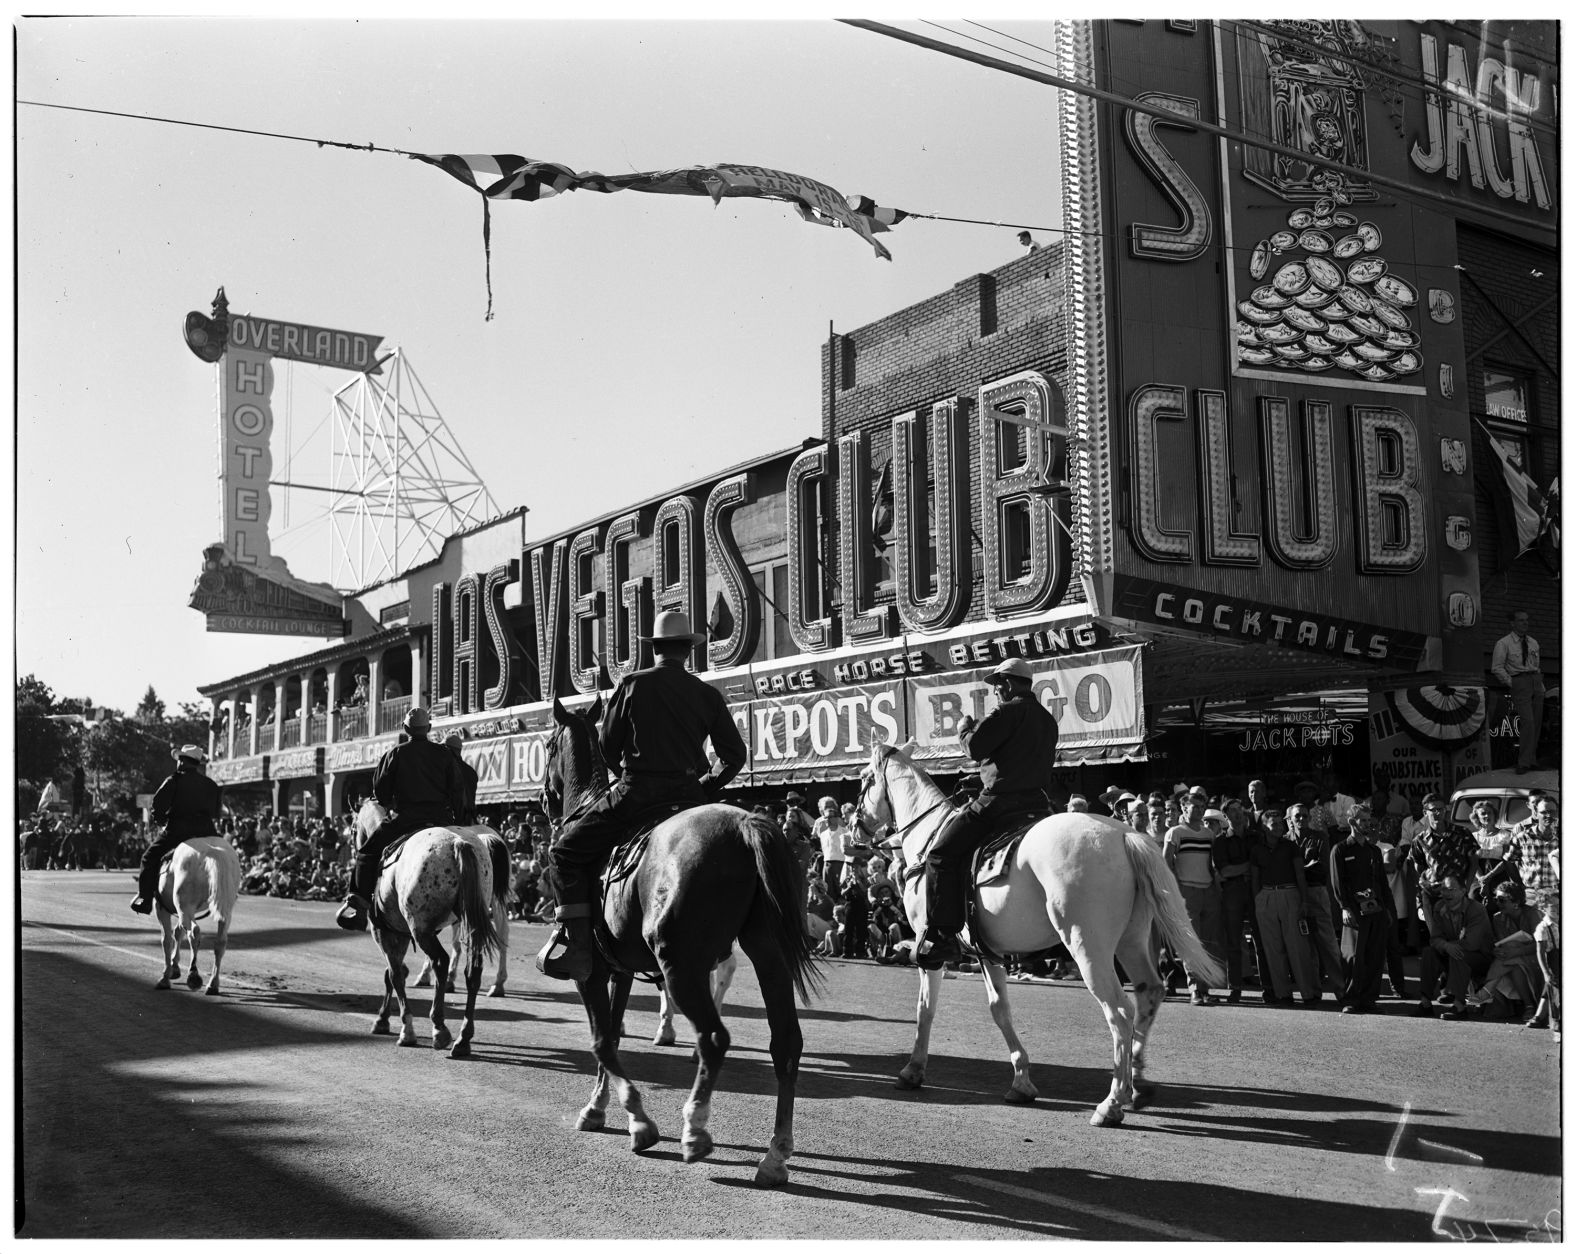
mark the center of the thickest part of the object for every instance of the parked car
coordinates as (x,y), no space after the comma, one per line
(1509,792)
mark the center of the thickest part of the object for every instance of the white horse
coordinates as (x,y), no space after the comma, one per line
(202,877)
(1076,878)
(721,978)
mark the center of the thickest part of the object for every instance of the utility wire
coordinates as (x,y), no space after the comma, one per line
(1166,115)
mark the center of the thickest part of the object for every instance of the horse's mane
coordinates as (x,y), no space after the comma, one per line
(907,760)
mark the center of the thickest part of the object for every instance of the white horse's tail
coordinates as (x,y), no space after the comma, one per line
(474,906)
(224,882)
(1159,887)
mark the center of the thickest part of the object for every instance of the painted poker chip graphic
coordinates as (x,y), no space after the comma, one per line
(1439,716)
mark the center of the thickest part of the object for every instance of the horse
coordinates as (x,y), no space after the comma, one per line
(437,876)
(721,979)
(1078,878)
(201,877)
(501,923)
(710,876)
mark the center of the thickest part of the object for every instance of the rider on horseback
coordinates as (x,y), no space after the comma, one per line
(421,783)
(654,734)
(1015,745)
(187,803)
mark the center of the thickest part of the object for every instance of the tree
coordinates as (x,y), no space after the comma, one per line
(150,709)
(189,727)
(124,759)
(46,747)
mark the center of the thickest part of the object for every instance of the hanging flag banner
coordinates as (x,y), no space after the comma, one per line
(1532,512)
(503,176)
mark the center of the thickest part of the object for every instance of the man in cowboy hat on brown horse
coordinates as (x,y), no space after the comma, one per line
(187,803)
(1015,745)
(654,735)
(421,783)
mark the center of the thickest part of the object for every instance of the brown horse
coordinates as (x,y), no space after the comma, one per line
(709,876)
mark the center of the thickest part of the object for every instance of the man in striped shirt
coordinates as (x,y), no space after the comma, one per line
(1190,853)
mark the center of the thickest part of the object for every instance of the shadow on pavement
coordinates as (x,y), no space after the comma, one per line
(106,1152)
(1084,1205)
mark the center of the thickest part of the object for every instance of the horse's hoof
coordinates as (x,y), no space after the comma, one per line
(590,1120)
(495,991)
(212,990)
(642,1136)
(1018,1097)
(1106,1117)
(665,1036)
(771,1175)
(380,1027)
(194,980)
(407,1037)
(442,1038)
(1143,1095)
(696,1146)
(462,1049)
(908,1080)
(163,983)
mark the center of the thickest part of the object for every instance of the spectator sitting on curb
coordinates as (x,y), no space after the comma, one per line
(1460,945)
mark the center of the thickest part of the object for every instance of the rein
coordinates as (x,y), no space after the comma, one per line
(916,868)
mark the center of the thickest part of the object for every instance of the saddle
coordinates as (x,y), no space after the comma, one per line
(622,862)
(992,863)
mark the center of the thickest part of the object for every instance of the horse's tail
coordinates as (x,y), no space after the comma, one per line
(473,907)
(782,897)
(1158,886)
(503,872)
(224,881)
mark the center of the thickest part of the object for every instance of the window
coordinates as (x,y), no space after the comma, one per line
(776,641)
(1507,395)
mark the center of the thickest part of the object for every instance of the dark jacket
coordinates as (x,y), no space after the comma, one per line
(420,776)
(187,803)
(469,781)
(1357,872)
(1015,745)
(658,723)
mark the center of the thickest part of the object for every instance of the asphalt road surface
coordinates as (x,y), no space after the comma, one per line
(270,1111)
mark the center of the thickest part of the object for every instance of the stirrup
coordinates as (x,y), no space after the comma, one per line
(352,915)
(934,950)
(562,959)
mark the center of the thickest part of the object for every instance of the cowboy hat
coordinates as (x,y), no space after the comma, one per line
(193,752)
(674,625)
(1016,667)
(418,719)
(1111,794)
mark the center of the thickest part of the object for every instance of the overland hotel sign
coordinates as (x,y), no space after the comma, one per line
(243,586)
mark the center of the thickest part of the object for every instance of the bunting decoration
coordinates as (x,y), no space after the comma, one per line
(881,509)
(508,177)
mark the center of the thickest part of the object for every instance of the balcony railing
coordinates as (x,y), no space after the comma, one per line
(316,728)
(220,748)
(392,713)
(352,722)
(290,733)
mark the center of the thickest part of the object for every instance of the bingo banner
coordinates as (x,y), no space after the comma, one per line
(1098,701)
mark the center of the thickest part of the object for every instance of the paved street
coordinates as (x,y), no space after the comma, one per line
(271,1112)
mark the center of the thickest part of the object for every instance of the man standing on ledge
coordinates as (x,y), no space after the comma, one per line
(1518,664)
(187,803)
(421,783)
(1015,745)
(655,733)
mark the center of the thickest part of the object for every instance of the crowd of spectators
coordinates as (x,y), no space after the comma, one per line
(1322,894)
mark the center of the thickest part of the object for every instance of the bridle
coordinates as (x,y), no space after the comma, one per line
(916,868)
(598,769)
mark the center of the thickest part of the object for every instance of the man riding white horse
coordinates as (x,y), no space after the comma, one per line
(654,734)
(187,803)
(1015,745)
(421,783)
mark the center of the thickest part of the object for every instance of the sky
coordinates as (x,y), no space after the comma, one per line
(639,342)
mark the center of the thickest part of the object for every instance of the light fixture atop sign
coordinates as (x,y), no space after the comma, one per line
(207,336)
